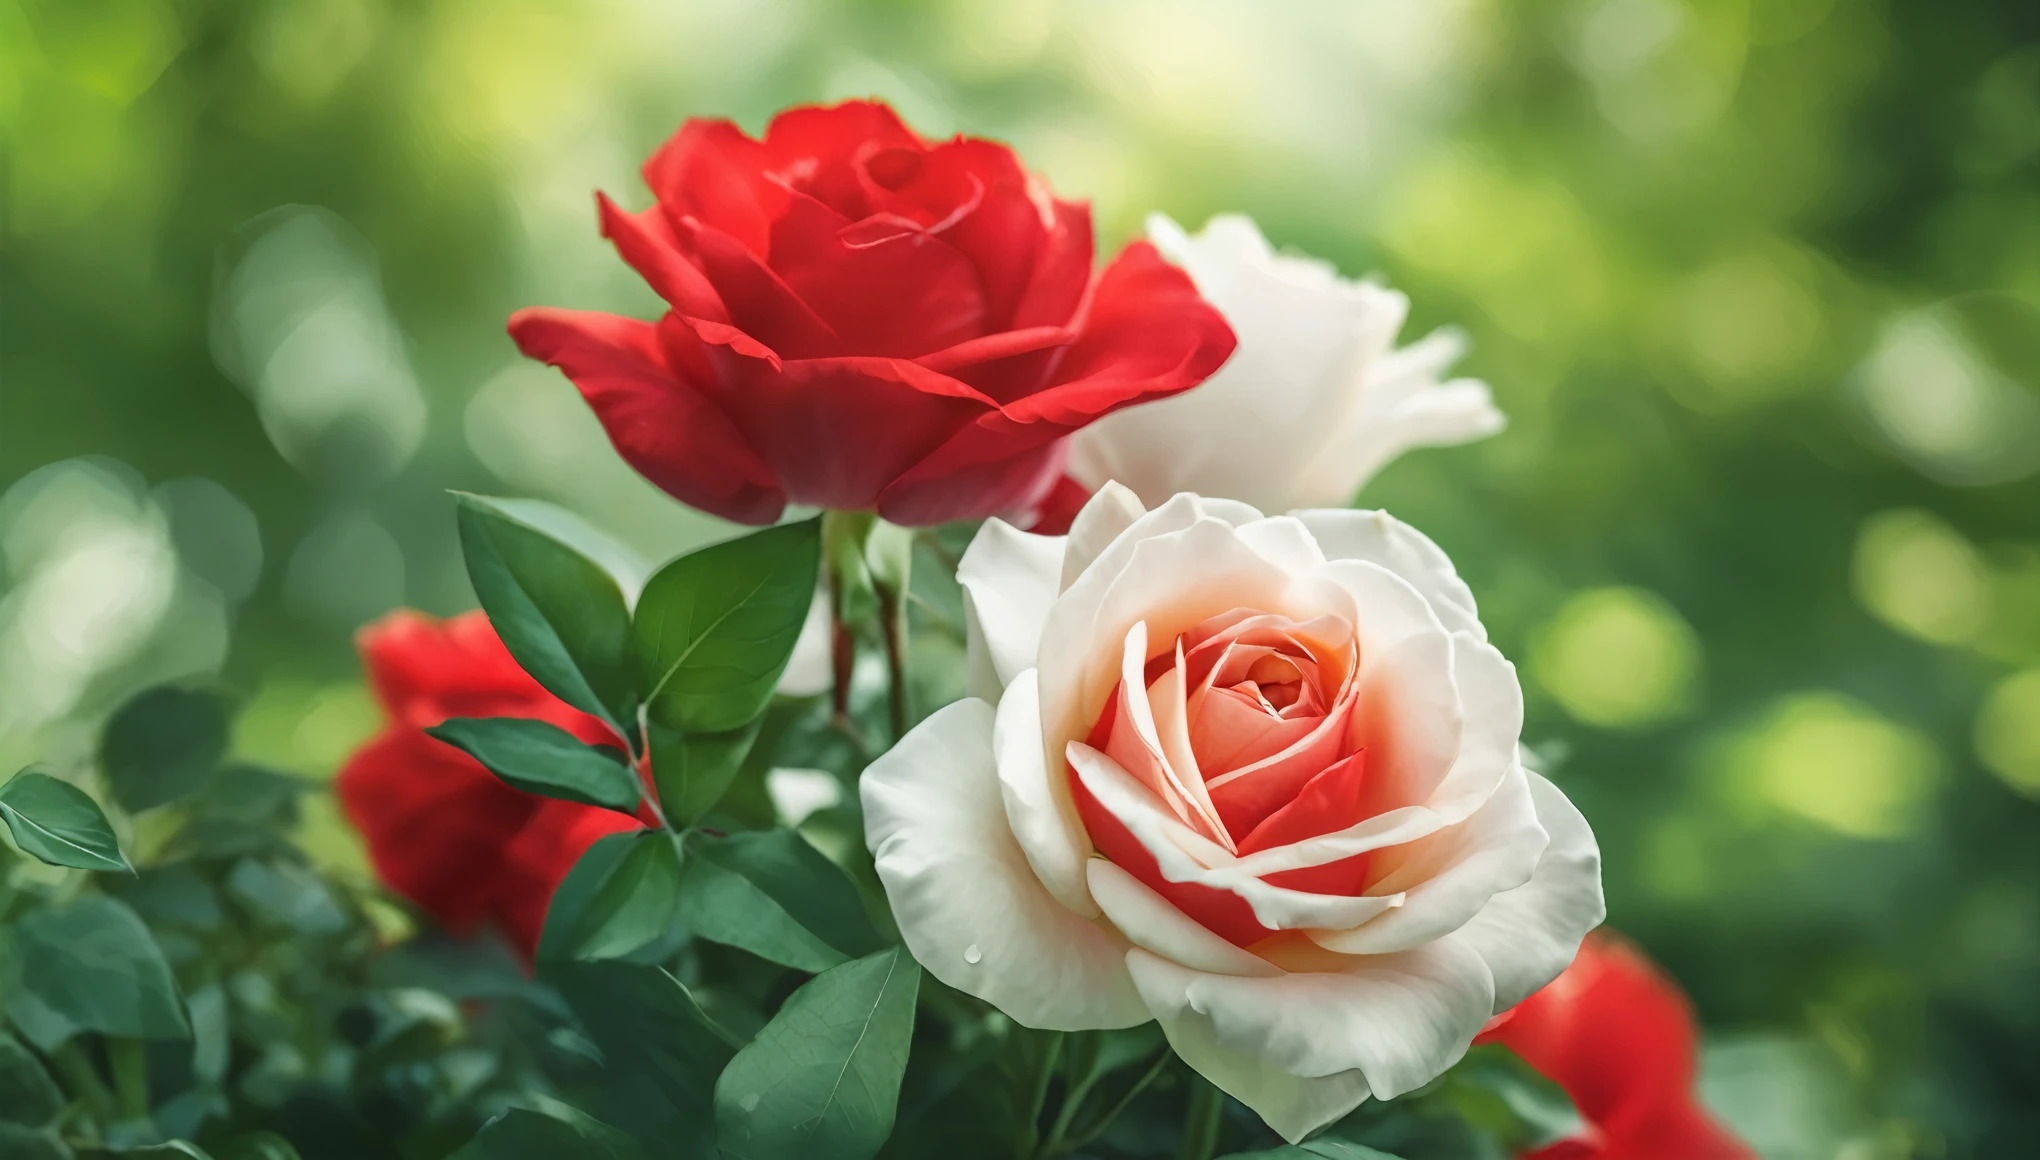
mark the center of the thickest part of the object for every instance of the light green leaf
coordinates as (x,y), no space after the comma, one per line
(162,746)
(560,614)
(715,628)
(27,1094)
(773,894)
(822,1079)
(523,1134)
(694,770)
(545,759)
(624,901)
(59,823)
(1324,1148)
(94,964)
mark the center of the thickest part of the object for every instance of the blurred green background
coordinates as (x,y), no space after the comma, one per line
(1758,282)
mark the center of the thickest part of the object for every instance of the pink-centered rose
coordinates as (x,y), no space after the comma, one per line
(1253,777)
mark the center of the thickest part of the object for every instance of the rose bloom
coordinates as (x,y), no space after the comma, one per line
(1253,777)
(441,830)
(863,319)
(1317,399)
(1617,1034)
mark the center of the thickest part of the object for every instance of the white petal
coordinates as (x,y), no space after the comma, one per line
(966,900)
(1491,707)
(1446,878)
(1009,579)
(1530,934)
(1038,804)
(1379,538)
(1285,542)
(1150,921)
(1399,1020)
(1294,1106)
(1103,517)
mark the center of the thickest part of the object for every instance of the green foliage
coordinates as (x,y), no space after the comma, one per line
(1322,1149)
(715,627)
(560,614)
(774,895)
(694,770)
(544,759)
(59,823)
(27,1094)
(822,1079)
(631,886)
(91,966)
(163,746)
(523,1134)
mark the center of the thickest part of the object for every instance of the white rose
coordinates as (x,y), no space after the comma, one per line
(1315,400)
(1300,838)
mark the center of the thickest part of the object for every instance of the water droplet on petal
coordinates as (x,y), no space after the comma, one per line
(972,955)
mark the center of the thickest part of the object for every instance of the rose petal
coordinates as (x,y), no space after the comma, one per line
(1109,512)
(1150,921)
(1039,806)
(712,171)
(966,900)
(647,242)
(1380,538)
(663,425)
(1529,934)
(1008,579)
(1446,878)
(759,302)
(902,295)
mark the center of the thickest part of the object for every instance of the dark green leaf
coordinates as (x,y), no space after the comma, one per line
(93,963)
(559,613)
(254,796)
(285,894)
(559,1134)
(27,1094)
(661,1053)
(1495,1090)
(693,770)
(715,628)
(59,823)
(1326,1148)
(545,759)
(259,1146)
(772,894)
(619,897)
(172,896)
(822,1080)
(162,746)
(173,1150)
(20,1142)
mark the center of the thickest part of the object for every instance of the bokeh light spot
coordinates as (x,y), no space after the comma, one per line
(2008,732)
(1920,576)
(1828,759)
(1618,658)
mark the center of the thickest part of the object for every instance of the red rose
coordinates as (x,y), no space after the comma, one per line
(862,319)
(1618,1035)
(441,830)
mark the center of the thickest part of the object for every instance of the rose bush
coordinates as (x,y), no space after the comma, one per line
(441,830)
(1618,1035)
(1253,777)
(862,319)
(1316,400)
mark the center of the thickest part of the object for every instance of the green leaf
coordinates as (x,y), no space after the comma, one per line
(27,1094)
(1324,1148)
(618,897)
(559,613)
(285,894)
(715,628)
(162,746)
(59,823)
(20,1142)
(546,760)
(173,1150)
(774,895)
(1495,1090)
(694,770)
(259,1146)
(94,964)
(822,1079)
(660,1052)
(523,1134)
